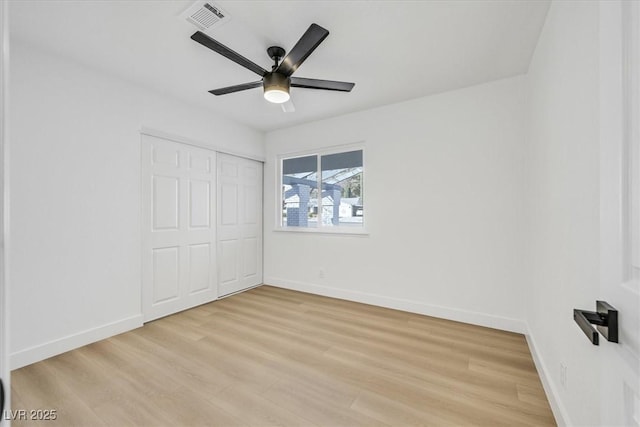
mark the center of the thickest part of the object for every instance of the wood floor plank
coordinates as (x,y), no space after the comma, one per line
(271,356)
(394,412)
(316,404)
(254,409)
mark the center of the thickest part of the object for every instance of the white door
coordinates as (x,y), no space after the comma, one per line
(620,209)
(239,223)
(178,227)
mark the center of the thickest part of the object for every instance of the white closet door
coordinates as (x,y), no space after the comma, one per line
(239,224)
(178,239)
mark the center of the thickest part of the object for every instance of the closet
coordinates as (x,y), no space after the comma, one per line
(201,225)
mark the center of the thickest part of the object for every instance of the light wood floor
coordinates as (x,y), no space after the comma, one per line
(276,357)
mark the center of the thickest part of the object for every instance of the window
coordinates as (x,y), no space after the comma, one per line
(323,191)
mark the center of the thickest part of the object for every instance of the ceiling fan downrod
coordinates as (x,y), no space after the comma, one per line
(276,53)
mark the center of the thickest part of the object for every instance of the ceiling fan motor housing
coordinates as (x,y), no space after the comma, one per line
(276,81)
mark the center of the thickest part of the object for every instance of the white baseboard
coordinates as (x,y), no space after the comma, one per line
(55,347)
(465,316)
(559,411)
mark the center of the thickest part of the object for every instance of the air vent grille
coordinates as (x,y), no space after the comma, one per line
(205,15)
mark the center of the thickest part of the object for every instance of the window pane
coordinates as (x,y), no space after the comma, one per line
(342,198)
(300,192)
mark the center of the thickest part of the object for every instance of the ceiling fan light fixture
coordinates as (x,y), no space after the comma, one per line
(277,96)
(276,88)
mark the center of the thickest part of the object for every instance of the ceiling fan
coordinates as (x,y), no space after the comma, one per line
(277,82)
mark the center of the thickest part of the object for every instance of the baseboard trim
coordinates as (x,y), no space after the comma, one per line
(558,409)
(70,342)
(465,316)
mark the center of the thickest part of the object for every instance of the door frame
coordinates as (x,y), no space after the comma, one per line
(619,127)
(144,130)
(5,369)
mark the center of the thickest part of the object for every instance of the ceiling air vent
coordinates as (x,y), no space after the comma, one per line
(205,15)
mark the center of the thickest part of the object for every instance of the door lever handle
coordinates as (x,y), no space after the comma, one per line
(1,399)
(605,318)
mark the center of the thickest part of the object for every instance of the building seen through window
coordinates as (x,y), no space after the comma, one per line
(323,190)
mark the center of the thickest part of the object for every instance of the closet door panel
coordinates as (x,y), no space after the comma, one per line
(240,223)
(178,227)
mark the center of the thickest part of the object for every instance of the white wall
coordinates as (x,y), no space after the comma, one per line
(442,206)
(562,205)
(75,197)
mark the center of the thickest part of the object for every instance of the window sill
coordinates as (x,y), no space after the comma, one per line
(324,230)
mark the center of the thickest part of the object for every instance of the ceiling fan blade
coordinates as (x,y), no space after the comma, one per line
(218,47)
(236,88)
(309,41)
(288,106)
(321,84)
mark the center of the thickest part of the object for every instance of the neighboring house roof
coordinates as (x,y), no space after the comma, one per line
(353,201)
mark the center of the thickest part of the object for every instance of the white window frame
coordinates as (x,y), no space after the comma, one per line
(321,229)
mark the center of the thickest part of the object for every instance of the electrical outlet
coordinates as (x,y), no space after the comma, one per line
(563,375)
(321,273)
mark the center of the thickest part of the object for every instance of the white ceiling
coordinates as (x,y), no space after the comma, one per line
(392,50)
